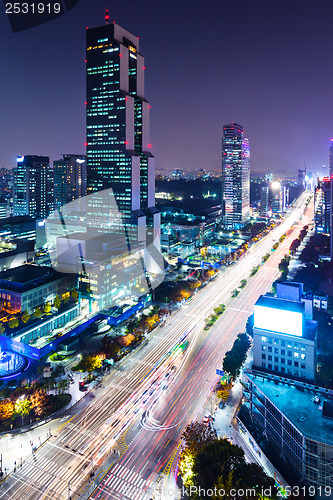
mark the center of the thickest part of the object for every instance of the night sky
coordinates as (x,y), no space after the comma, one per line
(265,64)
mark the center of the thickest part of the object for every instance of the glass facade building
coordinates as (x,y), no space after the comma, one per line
(235,177)
(118,146)
(33,187)
(70,176)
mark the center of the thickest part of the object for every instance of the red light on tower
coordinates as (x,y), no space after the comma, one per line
(149,146)
(86,103)
(144,67)
(86,144)
(107,17)
(126,142)
(149,107)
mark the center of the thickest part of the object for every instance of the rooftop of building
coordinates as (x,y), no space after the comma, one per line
(283,304)
(298,404)
(27,277)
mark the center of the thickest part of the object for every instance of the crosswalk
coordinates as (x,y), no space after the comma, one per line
(123,483)
(43,475)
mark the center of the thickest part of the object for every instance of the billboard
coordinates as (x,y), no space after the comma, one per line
(278,320)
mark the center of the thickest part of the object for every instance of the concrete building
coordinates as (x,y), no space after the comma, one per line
(284,335)
(26,287)
(292,422)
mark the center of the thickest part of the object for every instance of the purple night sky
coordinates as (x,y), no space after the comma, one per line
(265,64)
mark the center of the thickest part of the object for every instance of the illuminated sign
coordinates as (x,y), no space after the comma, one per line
(278,320)
(19,159)
(80,161)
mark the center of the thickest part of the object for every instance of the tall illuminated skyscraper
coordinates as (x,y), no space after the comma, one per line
(235,177)
(118,145)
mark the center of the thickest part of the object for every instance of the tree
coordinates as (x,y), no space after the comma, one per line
(2,328)
(13,323)
(74,294)
(25,317)
(37,312)
(196,436)
(47,308)
(234,359)
(57,302)
(6,409)
(125,340)
(22,407)
(90,363)
(40,401)
(222,463)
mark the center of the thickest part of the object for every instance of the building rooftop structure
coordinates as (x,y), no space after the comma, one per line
(298,402)
(27,277)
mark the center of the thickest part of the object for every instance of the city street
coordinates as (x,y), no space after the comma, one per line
(143,405)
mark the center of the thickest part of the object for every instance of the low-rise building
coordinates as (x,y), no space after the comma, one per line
(284,335)
(292,422)
(27,287)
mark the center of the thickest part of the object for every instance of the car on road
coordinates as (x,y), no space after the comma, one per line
(207,418)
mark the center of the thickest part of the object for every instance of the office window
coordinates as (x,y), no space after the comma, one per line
(296,364)
(283,370)
(263,339)
(276,350)
(269,358)
(263,356)
(283,352)
(276,359)
(276,342)
(283,361)
(263,365)
(303,365)
(283,343)
(289,353)
(269,349)
(302,356)
(289,363)
(269,340)
(296,373)
(296,355)
(263,348)
(269,366)
(276,368)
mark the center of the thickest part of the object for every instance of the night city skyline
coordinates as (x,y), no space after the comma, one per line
(265,66)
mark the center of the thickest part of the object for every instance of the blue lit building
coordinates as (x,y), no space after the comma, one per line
(235,177)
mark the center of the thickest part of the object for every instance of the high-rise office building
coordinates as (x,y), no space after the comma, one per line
(70,175)
(322,205)
(276,197)
(264,200)
(118,145)
(331,195)
(33,186)
(235,177)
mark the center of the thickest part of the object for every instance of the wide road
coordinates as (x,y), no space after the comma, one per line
(163,392)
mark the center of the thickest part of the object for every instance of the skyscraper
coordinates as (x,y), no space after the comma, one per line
(322,206)
(264,200)
(33,186)
(118,146)
(331,196)
(70,176)
(235,177)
